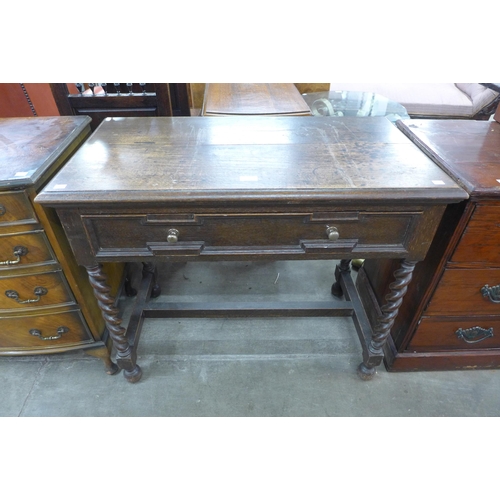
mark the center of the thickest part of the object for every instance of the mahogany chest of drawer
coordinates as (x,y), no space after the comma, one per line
(46,303)
(451,314)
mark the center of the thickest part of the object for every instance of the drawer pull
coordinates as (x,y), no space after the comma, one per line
(59,331)
(3,210)
(173,236)
(332,233)
(474,335)
(19,251)
(492,292)
(38,291)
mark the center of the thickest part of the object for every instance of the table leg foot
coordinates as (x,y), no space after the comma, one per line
(112,369)
(134,375)
(365,372)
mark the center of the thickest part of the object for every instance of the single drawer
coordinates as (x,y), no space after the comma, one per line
(25,249)
(481,238)
(47,331)
(438,334)
(466,292)
(15,208)
(34,291)
(233,234)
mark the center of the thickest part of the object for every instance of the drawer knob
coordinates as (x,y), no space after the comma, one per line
(18,252)
(38,291)
(173,236)
(474,335)
(59,331)
(332,233)
(2,210)
(492,293)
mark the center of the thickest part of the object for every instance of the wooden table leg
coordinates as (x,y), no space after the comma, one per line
(390,309)
(344,266)
(125,355)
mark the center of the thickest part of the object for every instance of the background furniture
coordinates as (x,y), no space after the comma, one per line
(359,104)
(272,99)
(450,318)
(46,303)
(435,100)
(249,188)
(198,91)
(123,99)
(26,99)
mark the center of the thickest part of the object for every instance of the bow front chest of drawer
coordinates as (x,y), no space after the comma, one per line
(249,188)
(46,302)
(451,318)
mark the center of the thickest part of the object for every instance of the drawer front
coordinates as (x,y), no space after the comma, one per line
(25,249)
(43,332)
(15,208)
(481,238)
(34,291)
(435,334)
(251,234)
(466,292)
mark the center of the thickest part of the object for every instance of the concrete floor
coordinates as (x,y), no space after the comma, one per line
(277,367)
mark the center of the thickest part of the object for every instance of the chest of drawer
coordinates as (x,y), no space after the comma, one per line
(19,250)
(15,208)
(34,291)
(436,333)
(467,292)
(247,234)
(43,332)
(481,239)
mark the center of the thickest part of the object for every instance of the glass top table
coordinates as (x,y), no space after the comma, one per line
(350,103)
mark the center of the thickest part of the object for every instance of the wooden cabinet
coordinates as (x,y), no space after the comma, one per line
(450,318)
(46,302)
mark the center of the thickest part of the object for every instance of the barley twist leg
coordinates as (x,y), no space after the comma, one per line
(125,355)
(390,309)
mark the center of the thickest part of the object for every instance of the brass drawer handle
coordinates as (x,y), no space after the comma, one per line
(19,251)
(492,293)
(332,233)
(3,210)
(173,236)
(474,335)
(38,291)
(59,331)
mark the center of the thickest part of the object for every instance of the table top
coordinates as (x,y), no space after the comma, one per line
(29,146)
(248,159)
(351,103)
(468,150)
(223,99)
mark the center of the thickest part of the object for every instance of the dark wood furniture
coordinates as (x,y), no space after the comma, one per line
(123,99)
(46,303)
(249,188)
(271,99)
(451,316)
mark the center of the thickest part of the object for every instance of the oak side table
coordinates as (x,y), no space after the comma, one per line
(249,188)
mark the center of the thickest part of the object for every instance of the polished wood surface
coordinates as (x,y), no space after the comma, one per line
(251,159)
(449,294)
(222,99)
(42,289)
(249,188)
